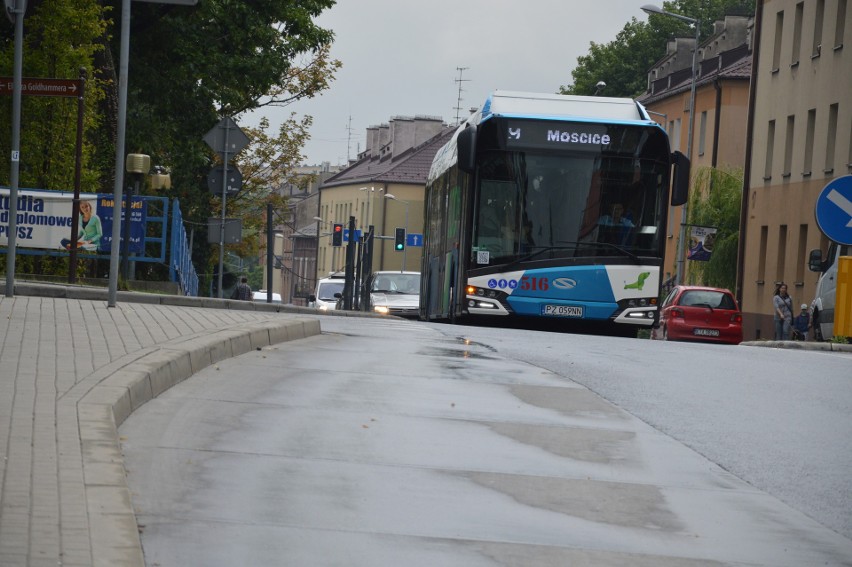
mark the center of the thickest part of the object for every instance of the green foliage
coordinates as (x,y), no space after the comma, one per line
(623,63)
(188,67)
(58,41)
(715,202)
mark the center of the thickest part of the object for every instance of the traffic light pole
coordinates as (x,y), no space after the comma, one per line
(350,267)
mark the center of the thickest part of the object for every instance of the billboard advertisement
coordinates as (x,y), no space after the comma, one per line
(44,221)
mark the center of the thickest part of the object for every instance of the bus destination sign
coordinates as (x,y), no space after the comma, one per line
(565,135)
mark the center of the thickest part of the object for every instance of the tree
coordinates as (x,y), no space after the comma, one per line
(715,202)
(188,67)
(623,63)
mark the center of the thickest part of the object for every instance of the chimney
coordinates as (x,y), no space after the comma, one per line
(401,134)
(426,128)
(372,135)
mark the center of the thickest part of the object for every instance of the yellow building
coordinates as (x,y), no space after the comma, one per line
(721,103)
(800,138)
(384,188)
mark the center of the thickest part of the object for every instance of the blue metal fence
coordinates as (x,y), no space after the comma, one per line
(181,269)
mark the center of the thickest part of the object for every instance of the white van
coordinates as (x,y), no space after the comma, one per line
(822,307)
(328,292)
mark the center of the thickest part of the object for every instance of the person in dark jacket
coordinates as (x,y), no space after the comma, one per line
(242,291)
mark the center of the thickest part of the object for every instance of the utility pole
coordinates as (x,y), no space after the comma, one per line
(457,107)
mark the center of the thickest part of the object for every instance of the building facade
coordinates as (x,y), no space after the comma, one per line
(295,237)
(721,104)
(800,138)
(383,188)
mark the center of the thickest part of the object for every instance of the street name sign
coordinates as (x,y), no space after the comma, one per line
(834,210)
(42,87)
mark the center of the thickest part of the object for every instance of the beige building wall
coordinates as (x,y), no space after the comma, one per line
(370,206)
(801,130)
(731,145)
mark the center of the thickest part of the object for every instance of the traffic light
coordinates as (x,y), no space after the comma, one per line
(337,235)
(399,240)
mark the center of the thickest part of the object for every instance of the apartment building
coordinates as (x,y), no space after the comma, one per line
(721,103)
(384,187)
(799,139)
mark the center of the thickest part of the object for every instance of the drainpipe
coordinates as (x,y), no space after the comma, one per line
(752,95)
(714,159)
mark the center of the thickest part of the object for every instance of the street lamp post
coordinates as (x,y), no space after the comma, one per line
(406,203)
(651,9)
(138,165)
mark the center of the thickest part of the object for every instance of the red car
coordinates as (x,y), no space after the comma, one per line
(696,313)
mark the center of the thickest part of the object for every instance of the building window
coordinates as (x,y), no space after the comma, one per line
(788,146)
(782,253)
(761,262)
(779,32)
(770,146)
(830,139)
(841,24)
(818,21)
(702,133)
(809,143)
(797,33)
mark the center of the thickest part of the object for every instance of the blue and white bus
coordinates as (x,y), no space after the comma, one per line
(550,207)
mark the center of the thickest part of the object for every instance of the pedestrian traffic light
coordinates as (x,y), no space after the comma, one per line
(399,239)
(337,235)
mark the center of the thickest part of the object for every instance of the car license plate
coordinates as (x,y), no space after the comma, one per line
(706,332)
(562,310)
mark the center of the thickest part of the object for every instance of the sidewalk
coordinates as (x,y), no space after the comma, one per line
(71,371)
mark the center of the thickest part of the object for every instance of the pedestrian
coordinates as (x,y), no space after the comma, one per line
(242,291)
(802,324)
(783,313)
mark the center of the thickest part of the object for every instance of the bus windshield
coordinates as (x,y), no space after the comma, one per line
(531,206)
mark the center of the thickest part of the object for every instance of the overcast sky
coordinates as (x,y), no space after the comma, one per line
(400,58)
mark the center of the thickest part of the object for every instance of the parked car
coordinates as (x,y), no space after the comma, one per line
(696,313)
(395,293)
(260,296)
(327,293)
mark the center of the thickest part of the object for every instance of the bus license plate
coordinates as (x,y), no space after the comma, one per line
(706,332)
(562,310)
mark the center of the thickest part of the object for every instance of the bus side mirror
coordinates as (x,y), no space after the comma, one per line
(466,148)
(680,186)
(815,261)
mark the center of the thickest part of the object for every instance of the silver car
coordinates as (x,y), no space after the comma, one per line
(395,293)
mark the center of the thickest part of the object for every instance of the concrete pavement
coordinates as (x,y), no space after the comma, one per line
(71,371)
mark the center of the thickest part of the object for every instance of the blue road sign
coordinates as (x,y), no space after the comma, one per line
(834,210)
(346,235)
(413,239)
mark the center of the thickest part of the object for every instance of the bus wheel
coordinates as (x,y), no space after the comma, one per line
(817,328)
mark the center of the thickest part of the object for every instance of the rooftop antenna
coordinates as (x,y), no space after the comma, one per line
(458,107)
(348,137)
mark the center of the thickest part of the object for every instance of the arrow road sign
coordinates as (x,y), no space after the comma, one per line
(834,210)
(42,87)
(414,239)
